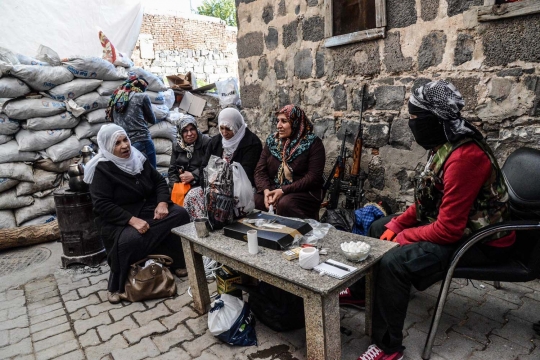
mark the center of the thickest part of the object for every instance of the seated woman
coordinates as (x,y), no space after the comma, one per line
(131,201)
(235,143)
(187,154)
(289,174)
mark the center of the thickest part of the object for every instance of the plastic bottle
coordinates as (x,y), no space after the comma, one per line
(271,210)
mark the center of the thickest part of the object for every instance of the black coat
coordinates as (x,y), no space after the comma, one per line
(247,153)
(193,165)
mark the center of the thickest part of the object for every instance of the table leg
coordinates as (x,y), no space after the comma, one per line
(323,338)
(197,278)
(370,287)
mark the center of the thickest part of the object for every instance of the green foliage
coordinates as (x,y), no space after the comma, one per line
(223,9)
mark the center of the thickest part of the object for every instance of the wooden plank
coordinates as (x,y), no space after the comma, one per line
(520,8)
(380,13)
(364,35)
(29,235)
(328,19)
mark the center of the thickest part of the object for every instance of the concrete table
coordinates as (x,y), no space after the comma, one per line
(320,293)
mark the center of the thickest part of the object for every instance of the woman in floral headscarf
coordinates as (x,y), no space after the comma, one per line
(289,174)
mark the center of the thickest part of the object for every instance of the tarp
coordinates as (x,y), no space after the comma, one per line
(69,27)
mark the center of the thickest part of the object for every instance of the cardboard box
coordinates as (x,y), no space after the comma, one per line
(226,278)
(192,104)
(272,239)
(180,81)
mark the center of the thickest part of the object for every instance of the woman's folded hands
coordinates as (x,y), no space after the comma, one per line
(271,197)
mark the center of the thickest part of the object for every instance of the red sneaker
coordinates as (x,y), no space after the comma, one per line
(373,352)
(346,299)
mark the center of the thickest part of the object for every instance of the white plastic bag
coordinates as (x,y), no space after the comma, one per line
(160,111)
(223,314)
(228,92)
(243,191)
(92,68)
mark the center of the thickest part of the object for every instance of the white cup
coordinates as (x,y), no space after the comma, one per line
(253,243)
(309,258)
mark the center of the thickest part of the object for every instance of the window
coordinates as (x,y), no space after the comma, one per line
(348,21)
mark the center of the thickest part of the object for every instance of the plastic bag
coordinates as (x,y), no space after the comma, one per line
(243,191)
(228,92)
(231,321)
(219,192)
(178,193)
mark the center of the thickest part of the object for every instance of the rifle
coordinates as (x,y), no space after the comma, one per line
(333,182)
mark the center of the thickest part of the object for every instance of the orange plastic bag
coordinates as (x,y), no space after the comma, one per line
(178,192)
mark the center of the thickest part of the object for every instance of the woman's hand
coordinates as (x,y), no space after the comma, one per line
(186,177)
(274,196)
(266,198)
(139,224)
(388,235)
(162,210)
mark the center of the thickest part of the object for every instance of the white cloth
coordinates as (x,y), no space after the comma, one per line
(232,119)
(107,136)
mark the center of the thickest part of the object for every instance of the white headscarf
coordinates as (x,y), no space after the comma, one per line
(107,136)
(232,119)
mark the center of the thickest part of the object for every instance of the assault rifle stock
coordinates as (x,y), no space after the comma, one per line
(333,183)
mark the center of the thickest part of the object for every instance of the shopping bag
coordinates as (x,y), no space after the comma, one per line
(231,321)
(243,191)
(178,193)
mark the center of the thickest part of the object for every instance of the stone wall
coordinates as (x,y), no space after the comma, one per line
(170,45)
(495,65)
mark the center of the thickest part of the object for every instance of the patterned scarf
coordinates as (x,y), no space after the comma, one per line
(286,150)
(187,120)
(120,98)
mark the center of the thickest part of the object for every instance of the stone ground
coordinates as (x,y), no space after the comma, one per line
(64,314)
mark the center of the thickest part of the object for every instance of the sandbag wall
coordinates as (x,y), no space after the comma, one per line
(48,112)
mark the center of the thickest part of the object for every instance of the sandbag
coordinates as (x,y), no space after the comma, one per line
(64,120)
(16,170)
(92,68)
(163,129)
(6,184)
(5,138)
(108,87)
(164,171)
(57,167)
(40,220)
(154,82)
(43,206)
(11,87)
(163,159)
(41,194)
(85,130)
(9,152)
(39,78)
(66,149)
(96,116)
(92,101)
(74,89)
(7,219)
(160,111)
(43,180)
(122,60)
(8,126)
(30,140)
(163,146)
(10,200)
(27,60)
(156,97)
(31,108)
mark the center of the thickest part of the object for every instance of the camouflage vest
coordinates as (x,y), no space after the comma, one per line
(489,207)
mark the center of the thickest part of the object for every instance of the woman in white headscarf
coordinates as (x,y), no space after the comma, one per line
(134,214)
(235,143)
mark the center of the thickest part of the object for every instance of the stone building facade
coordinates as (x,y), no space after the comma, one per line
(495,65)
(176,44)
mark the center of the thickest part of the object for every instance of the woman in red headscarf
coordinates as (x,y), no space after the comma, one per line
(289,174)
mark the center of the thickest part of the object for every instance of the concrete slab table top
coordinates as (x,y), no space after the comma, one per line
(320,293)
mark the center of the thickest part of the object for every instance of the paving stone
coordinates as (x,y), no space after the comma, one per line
(170,339)
(12,313)
(25,357)
(45,309)
(81,314)
(445,324)
(74,355)
(65,288)
(21,348)
(20,322)
(147,316)
(17,302)
(174,354)
(534,355)
(528,311)
(499,348)
(85,291)
(102,295)
(511,292)
(42,303)
(296,337)
(135,335)
(517,331)
(176,318)
(94,310)
(411,319)
(145,348)
(97,352)
(72,295)
(47,316)
(98,278)
(458,306)
(58,329)
(53,341)
(39,297)
(39,284)
(477,294)
(74,305)
(108,331)
(477,327)
(459,346)
(421,303)
(178,302)
(198,345)
(48,324)
(16,335)
(4,337)
(535,295)
(208,355)
(89,339)
(57,350)
(82,326)
(225,351)
(198,325)
(153,303)
(42,290)
(119,314)
(495,309)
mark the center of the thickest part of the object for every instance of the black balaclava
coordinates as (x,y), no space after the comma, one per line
(427,128)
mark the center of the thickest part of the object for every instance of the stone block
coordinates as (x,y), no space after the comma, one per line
(271,39)
(319,64)
(42,303)
(401,136)
(85,291)
(55,330)
(431,50)
(74,355)
(89,339)
(268,13)
(282,8)
(38,297)
(499,88)
(74,305)
(166,341)
(135,335)
(510,72)
(21,348)
(419,82)
(53,341)
(376,135)
(98,352)
(393,57)
(147,316)
(80,314)
(178,317)
(400,13)
(179,302)
(456,7)
(16,302)
(48,324)
(290,33)
(34,285)
(57,350)
(106,332)
(313,94)
(82,326)
(389,97)
(324,128)
(513,39)
(72,295)
(430,9)
(357,59)
(250,95)
(16,335)
(312,3)
(313,28)
(144,349)
(263,68)
(340,98)
(376,173)
(303,64)
(42,290)
(369,99)
(198,345)
(283,96)
(464,49)
(279,68)
(467,88)
(250,44)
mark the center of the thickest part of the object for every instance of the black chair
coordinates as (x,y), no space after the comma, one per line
(522,175)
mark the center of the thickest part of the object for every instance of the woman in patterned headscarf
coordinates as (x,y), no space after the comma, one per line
(289,174)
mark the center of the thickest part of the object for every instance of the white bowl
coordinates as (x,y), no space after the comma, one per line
(356,256)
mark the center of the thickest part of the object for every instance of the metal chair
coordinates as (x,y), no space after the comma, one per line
(522,175)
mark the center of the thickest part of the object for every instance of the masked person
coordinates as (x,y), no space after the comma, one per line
(130,108)
(134,214)
(289,174)
(460,190)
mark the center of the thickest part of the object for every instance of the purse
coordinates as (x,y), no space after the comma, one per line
(151,282)
(178,193)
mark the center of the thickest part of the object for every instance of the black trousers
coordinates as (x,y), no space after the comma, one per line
(405,266)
